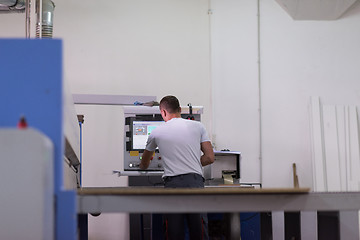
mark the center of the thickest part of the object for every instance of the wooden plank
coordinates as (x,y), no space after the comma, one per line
(319,180)
(153,203)
(295,176)
(332,163)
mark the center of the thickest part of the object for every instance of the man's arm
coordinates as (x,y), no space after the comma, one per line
(145,159)
(208,157)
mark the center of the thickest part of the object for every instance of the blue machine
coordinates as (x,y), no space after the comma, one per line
(31,85)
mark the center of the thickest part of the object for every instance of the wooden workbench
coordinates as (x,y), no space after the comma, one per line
(218,190)
(230,200)
(209,199)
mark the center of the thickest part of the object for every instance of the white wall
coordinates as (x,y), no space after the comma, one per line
(102,154)
(12,25)
(298,59)
(162,47)
(137,48)
(130,48)
(235,82)
(302,59)
(126,47)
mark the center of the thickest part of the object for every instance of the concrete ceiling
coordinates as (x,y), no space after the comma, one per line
(316,9)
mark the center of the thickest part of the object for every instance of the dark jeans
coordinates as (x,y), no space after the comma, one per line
(196,222)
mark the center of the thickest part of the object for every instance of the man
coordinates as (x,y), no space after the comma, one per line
(180,142)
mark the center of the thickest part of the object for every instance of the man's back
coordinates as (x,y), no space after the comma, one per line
(179,141)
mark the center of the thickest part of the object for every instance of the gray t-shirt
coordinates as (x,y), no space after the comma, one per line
(179,145)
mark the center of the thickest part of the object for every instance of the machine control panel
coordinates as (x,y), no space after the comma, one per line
(155,163)
(140,121)
(138,129)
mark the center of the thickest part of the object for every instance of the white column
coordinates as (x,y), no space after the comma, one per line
(308,225)
(278,225)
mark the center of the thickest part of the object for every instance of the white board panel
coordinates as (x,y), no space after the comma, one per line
(235,89)
(341,137)
(354,154)
(319,183)
(349,184)
(331,149)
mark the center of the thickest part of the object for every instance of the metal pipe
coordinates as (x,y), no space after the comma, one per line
(38,10)
(27,18)
(259,94)
(212,124)
(45,13)
(47,18)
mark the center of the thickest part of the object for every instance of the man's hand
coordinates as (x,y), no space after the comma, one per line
(208,157)
(145,159)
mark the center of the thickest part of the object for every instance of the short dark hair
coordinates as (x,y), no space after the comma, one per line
(171,104)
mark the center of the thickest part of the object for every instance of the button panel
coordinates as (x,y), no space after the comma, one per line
(133,162)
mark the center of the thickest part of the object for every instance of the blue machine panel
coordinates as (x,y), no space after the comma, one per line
(31,85)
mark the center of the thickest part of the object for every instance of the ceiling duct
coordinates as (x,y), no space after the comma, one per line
(44,25)
(316,9)
(12,6)
(44,13)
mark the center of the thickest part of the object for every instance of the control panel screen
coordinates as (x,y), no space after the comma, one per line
(140,132)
